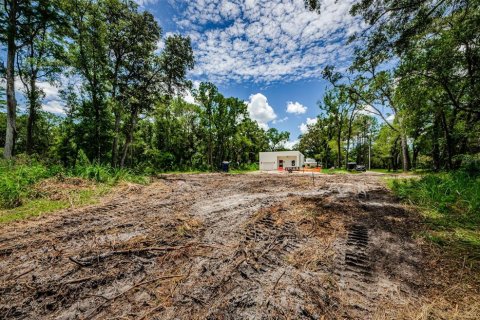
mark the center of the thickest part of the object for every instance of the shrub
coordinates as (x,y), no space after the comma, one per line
(15,180)
(454,195)
(471,164)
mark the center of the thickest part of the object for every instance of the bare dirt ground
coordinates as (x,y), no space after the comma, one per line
(216,246)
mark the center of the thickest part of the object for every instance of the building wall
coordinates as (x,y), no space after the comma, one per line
(269,160)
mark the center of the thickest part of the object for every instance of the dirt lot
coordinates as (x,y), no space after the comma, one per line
(219,246)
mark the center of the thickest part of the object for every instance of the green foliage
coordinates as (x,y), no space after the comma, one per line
(244,168)
(455,193)
(450,203)
(105,174)
(277,138)
(39,206)
(159,161)
(471,164)
(15,180)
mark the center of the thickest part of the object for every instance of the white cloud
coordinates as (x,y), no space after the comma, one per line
(145,2)
(260,111)
(291,144)
(51,91)
(304,126)
(265,41)
(54,106)
(390,118)
(280,120)
(296,108)
(188,97)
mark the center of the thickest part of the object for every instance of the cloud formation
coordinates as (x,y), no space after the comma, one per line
(304,126)
(296,108)
(54,106)
(260,111)
(291,144)
(280,120)
(265,41)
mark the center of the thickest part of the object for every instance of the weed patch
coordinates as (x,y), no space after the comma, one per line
(450,203)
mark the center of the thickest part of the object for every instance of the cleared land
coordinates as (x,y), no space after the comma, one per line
(213,246)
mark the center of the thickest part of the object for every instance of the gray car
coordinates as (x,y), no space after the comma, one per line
(360,167)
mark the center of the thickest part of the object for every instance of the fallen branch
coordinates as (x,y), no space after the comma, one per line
(159,307)
(78,280)
(94,311)
(88,261)
(23,273)
(278,280)
(80,263)
(195,299)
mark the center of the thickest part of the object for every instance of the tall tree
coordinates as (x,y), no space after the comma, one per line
(277,138)
(206,96)
(88,55)
(38,57)
(11,21)
(338,109)
(131,36)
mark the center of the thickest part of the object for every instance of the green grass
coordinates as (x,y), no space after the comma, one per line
(16,180)
(450,204)
(412,172)
(40,206)
(385,171)
(245,169)
(19,198)
(338,171)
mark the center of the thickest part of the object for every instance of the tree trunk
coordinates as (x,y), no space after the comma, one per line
(96,106)
(128,141)
(448,140)
(116,113)
(416,151)
(435,147)
(349,135)
(32,112)
(405,155)
(339,150)
(10,74)
(115,139)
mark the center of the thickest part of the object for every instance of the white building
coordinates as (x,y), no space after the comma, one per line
(310,163)
(279,160)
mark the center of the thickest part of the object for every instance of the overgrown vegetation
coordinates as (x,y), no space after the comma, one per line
(450,203)
(22,185)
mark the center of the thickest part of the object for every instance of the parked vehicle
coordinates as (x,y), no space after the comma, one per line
(360,167)
(351,166)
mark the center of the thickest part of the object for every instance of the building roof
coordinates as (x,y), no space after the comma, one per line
(285,153)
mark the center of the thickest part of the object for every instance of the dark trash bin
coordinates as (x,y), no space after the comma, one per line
(225,165)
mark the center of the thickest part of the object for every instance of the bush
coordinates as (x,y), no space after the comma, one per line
(15,180)
(471,164)
(455,196)
(158,161)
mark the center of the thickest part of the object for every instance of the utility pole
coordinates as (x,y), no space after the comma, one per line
(370,149)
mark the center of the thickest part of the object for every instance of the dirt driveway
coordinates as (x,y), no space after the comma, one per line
(219,246)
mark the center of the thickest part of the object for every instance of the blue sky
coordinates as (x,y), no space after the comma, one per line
(268,53)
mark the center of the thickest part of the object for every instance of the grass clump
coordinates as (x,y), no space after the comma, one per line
(38,206)
(16,179)
(450,203)
(29,187)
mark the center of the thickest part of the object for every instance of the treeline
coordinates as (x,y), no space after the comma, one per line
(417,69)
(122,88)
